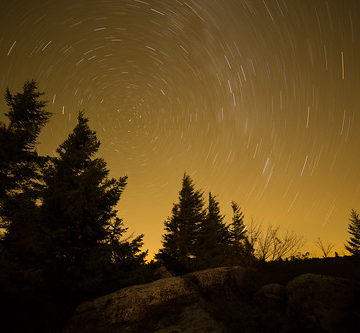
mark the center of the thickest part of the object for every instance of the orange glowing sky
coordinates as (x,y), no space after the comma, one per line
(257,100)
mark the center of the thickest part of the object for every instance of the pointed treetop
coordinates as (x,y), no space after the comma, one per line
(81,144)
(187,182)
(26,112)
(182,228)
(238,214)
(237,227)
(188,192)
(214,209)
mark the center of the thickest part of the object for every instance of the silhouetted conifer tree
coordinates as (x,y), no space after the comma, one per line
(18,158)
(79,218)
(353,245)
(61,228)
(182,228)
(213,240)
(237,227)
(242,251)
(20,174)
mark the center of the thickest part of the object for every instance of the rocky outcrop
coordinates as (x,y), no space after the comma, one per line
(271,297)
(309,302)
(319,302)
(192,318)
(214,300)
(172,304)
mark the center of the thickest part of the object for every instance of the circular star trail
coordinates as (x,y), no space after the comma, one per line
(257,100)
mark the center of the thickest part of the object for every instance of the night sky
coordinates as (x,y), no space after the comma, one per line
(258,100)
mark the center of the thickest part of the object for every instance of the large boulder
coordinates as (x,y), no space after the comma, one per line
(319,302)
(172,304)
(224,279)
(216,300)
(192,319)
(271,297)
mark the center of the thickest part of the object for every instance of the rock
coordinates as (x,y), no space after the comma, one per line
(128,305)
(162,273)
(210,278)
(193,319)
(270,297)
(173,304)
(216,282)
(318,302)
(216,300)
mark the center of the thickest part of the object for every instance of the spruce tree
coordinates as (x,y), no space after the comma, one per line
(21,175)
(79,218)
(237,226)
(353,245)
(213,239)
(181,229)
(242,251)
(18,158)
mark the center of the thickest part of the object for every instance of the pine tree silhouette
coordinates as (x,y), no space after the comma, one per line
(79,218)
(237,227)
(353,245)
(182,228)
(242,252)
(21,175)
(213,240)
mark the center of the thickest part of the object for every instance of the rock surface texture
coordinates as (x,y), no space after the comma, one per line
(319,302)
(270,297)
(172,304)
(205,301)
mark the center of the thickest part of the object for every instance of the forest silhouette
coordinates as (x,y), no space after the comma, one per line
(63,242)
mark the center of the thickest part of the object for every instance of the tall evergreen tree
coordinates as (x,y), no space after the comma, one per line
(21,174)
(237,226)
(79,218)
(182,228)
(18,158)
(242,251)
(353,245)
(213,240)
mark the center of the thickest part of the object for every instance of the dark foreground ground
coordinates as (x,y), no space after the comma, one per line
(32,312)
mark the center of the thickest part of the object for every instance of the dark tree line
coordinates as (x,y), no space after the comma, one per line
(58,213)
(60,228)
(197,237)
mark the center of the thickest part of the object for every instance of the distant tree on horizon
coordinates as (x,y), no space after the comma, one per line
(182,228)
(271,245)
(325,247)
(353,244)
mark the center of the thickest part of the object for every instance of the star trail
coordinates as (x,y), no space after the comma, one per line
(257,100)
